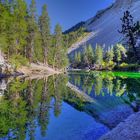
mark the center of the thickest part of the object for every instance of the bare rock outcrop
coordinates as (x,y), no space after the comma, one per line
(127,130)
(5,68)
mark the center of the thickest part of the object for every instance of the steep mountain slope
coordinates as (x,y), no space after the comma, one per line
(105,25)
(75,27)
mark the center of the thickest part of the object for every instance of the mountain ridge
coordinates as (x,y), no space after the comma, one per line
(106,23)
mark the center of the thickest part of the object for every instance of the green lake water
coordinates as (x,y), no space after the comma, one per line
(74,106)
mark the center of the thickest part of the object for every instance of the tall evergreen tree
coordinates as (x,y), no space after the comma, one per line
(58,36)
(89,55)
(98,55)
(4,21)
(77,59)
(60,51)
(119,53)
(130,30)
(32,29)
(109,55)
(19,27)
(44,24)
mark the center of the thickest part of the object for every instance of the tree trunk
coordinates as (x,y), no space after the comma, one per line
(45,56)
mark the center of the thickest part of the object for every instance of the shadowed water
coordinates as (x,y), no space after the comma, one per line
(76,106)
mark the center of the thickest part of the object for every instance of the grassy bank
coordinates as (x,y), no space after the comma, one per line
(108,73)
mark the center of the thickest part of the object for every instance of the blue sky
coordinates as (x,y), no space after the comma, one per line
(69,12)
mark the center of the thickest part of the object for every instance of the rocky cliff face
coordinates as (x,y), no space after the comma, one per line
(106,23)
(123,3)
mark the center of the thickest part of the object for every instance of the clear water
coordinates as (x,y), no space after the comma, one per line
(77,106)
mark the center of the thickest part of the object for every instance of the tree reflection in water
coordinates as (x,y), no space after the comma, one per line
(26,104)
(102,83)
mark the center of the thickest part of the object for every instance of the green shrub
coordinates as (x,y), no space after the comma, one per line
(123,65)
(108,65)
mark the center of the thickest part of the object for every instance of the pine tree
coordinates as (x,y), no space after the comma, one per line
(77,59)
(60,55)
(109,55)
(44,24)
(32,31)
(119,53)
(38,49)
(98,55)
(89,55)
(130,30)
(58,36)
(7,33)
(19,27)
(4,21)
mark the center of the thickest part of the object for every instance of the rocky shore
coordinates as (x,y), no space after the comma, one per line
(7,70)
(127,130)
(28,71)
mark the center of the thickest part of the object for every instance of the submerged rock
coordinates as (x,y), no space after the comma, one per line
(127,130)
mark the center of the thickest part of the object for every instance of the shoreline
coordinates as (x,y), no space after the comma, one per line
(34,70)
(41,70)
(102,70)
(38,70)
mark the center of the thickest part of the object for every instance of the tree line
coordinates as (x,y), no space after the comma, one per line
(74,36)
(26,37)
(98,57)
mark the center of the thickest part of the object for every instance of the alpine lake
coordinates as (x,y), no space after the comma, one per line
(73,106)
